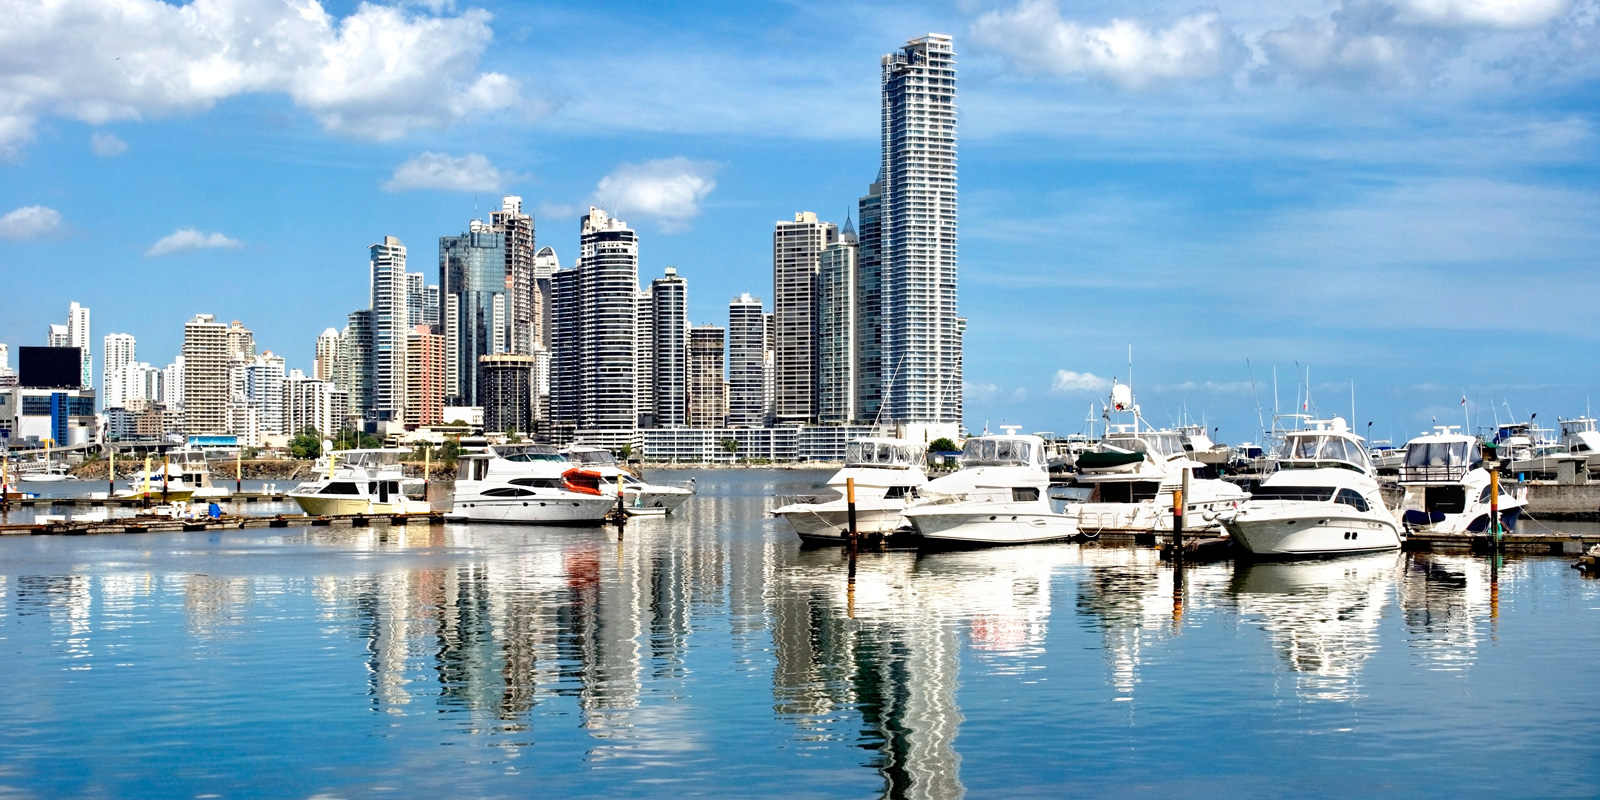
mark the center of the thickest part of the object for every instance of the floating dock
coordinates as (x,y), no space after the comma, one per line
(162,524)
(135,502)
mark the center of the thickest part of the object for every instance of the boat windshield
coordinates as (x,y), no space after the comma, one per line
(1438,454)
(869,453)
(997,452)
(1572,427)
(1160,443)
(601,458)
(1323,447)
(370,458)
(527,453)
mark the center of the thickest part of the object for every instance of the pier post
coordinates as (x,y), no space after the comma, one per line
(166,468)
(238,470)
(1178,496)
(111,473)
(1494,508)
(622,511)
(850,511)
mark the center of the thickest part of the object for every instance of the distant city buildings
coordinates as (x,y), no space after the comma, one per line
(863,328)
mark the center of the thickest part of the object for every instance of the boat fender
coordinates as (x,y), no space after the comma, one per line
(1209,515)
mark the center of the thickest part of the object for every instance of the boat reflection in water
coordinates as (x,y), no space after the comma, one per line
(1321,616)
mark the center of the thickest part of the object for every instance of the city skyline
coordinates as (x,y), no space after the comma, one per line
(1267,200)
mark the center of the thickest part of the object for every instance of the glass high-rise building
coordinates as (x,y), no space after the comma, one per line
(595,366)
(517,231)
(391,319)
(922,336)
(869,306)
(664,351)
(837,336)
(476,315)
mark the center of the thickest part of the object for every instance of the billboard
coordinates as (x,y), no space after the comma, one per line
(49,368)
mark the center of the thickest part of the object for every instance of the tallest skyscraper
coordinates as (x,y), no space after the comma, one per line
(921,333)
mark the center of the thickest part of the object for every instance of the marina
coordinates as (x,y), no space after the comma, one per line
(708,652)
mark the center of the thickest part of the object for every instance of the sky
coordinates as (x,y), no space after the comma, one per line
(1396,198)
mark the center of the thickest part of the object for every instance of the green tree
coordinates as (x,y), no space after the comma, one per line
(730,446)
(942,445)
(307,444)
(625,452)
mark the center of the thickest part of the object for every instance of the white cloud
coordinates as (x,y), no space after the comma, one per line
(1508,14)
(668,189)
(1069,381)
(189,239)
(29,222)
(106,145)
(374,74)
(1388,43)
(469,173)
(1125,52)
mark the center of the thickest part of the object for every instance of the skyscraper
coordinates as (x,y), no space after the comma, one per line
(708,394)
(545,264)
(921,336)
(869,306)
(357,341)
(837,342)
(205,382)
(390,323)
(665,350)
(477,307)
(329,356)
(594,383)
(516,230)
(747,362)
(78,336)
(117,352)
(796,249)
(416,299)
(424,377)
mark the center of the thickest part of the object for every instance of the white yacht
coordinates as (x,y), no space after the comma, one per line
(1322,500)
(1136,470)
(51,472)
(1447,488)
(887,474)
(1579,435)
(529,483)
(1000,496)
(639,498)
(359,482)
(1134,474)
(183,472)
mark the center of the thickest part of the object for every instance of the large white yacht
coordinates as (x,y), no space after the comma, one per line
(1447,488)
(1322,500)
(999,496)
(358,482)
(887,474)
(639,498)
(529,483)
(1135,471)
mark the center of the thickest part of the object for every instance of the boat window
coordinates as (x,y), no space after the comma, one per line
(997,452)
(852,453)
(1351,497)
(1309,494)
(340,488)
(507,491)
(1483,497)
(540,483)
(1579,447)
(1125,492)
(1438,454)
(897,492)
(885,453)
(1025,493)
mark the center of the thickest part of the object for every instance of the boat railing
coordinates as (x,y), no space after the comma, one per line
(1433,473)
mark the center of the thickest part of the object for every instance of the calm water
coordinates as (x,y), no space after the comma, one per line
(711,655)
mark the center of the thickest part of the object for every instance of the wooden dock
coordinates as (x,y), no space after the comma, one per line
(162,524)
(135,502)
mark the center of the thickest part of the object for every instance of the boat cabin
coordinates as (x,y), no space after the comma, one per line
(1443,456)
(1579,435)
(1327,444)
(881,454)
(1003,451)
(527,453)
(591,456)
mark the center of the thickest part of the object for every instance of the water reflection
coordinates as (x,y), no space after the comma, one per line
(626,644)
(1321,616)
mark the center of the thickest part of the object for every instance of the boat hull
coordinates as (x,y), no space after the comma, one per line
(980,524)
(1312,533)
(828,522)
(653,502)
(573,510)
(346,505)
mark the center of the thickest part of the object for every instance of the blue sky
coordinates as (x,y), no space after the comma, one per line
(1399,193)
